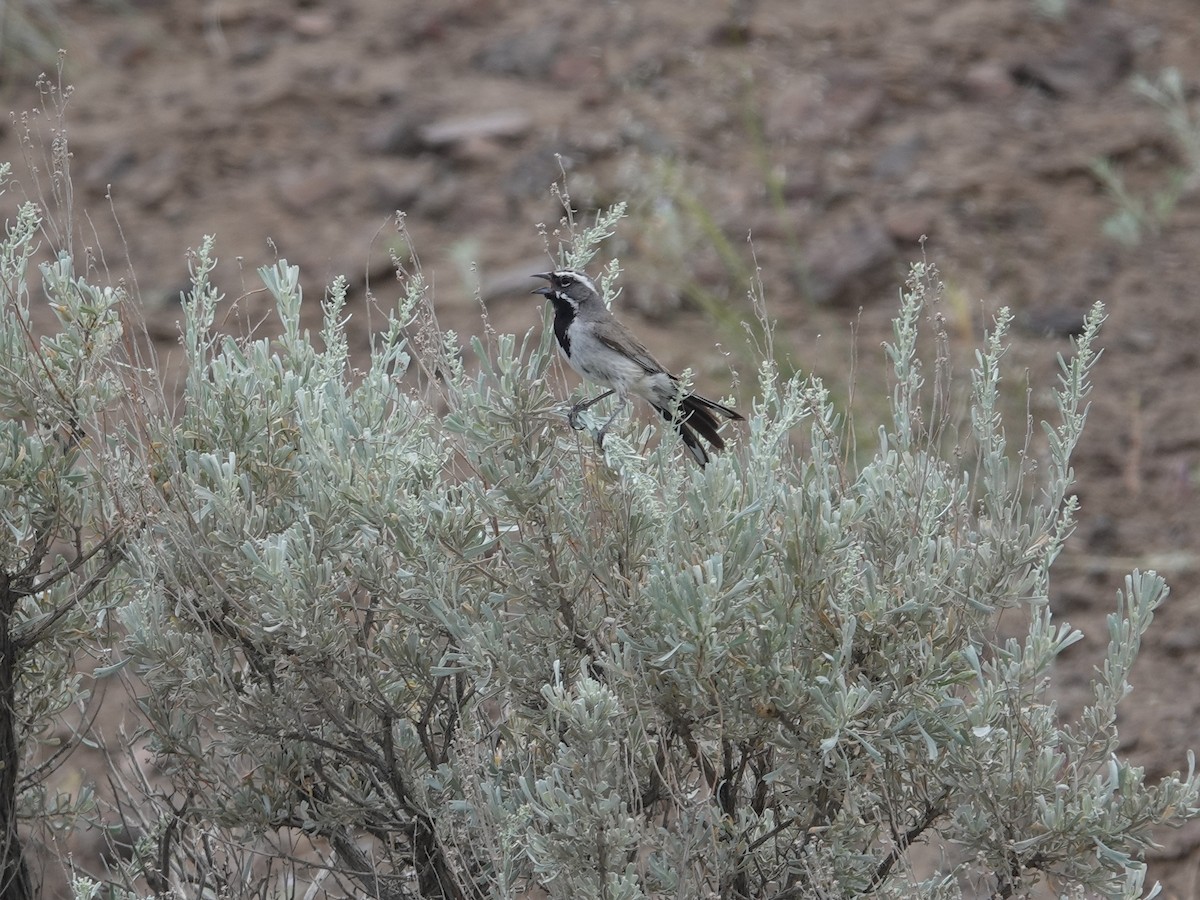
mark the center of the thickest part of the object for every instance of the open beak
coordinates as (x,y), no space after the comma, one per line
(544,291)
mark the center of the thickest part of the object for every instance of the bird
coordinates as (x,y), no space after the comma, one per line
(605,352)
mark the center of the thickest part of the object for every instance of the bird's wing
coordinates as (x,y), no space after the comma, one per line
(619,338)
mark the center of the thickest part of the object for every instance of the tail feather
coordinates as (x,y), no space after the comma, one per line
(699,415)
(694,447)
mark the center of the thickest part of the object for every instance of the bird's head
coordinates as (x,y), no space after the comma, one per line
(568,286)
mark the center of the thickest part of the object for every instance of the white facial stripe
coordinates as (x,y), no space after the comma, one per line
(577,276)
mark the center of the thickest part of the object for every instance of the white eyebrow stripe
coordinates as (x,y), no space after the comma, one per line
(578,276)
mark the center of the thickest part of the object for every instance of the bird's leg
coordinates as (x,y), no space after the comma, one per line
(573,415)
(604,427)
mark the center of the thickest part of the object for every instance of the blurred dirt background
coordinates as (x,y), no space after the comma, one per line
(1008,133)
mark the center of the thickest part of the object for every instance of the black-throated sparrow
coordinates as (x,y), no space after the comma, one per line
(603,350)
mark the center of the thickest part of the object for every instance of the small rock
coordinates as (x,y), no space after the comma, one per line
(503,124)
(907,224)
(396,133)
(898,158)
(573,70)
(1099,56)
(648,138)
(534,171)
(735,29)
(399,184)
(439,199)
(109,168)
(314,24)
(1181,641)
(250,49)
(419,25)
(1139,340)
(971,29)
(128,49)
(1102,534)
(988,81)
(846,265)
(790,106)
(1070,600)
(805,181)
(157,179)
(526,54)
(478,151)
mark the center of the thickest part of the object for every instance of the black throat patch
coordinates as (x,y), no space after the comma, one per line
(564,315)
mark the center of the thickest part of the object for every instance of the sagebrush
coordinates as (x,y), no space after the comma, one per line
(397,631)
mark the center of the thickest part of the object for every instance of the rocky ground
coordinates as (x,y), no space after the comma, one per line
(836,135)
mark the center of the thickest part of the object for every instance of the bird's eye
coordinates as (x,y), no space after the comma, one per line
(563,280)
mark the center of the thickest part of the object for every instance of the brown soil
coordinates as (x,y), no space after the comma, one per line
(837,134)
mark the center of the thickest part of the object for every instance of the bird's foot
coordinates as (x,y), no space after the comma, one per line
(573,417)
